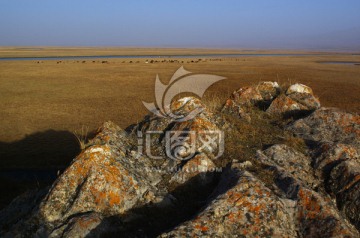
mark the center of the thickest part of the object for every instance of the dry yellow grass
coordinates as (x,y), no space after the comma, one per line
(83,51)
(66,96)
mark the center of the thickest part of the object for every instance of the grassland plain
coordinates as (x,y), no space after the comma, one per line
(43,103)
(73,94)
(93,51)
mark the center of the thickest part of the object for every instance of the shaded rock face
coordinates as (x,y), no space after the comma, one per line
(339,167)
(79,226)
(120,186)
(244,206)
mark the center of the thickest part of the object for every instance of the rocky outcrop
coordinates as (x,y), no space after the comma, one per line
(294,162)
(314,213)
(297,101)
(242,100)
(338,165)
(247,207)
(329,125)
(242,206)
(166,178)
(101,179)
(336,161)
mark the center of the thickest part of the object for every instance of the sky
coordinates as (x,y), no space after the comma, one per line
(255,24)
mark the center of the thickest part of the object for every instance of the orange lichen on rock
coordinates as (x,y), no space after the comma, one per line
(241,210)
(95,181)
(310,208)
(314,214)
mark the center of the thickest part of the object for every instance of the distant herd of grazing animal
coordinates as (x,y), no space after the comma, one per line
(138,61)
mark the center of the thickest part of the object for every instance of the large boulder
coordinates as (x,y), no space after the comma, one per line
(268,90)
(343,182)
(261,95)
(102,179)
(294,162)
(105,179)
(242,206)
(298,101)
(192,138)
(328,125)
(314,212)
(111,176)
(285,106)
(330,155)
(338,165)
(247,96)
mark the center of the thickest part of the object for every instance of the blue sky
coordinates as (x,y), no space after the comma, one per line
(283,24)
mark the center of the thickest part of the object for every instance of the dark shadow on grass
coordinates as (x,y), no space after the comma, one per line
(34,161)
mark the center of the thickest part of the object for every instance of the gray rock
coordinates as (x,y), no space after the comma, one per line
(268,90)
(329,125)
(315,214)
(330,155)
(294,162)
(242,206)
(101,179)
(298,101)
(344,182)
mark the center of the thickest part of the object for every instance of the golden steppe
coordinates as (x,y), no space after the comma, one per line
(78,95)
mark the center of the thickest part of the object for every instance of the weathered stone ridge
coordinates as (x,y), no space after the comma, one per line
(115,188)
